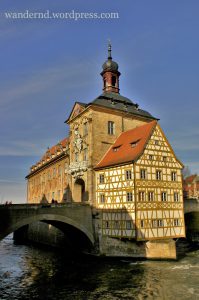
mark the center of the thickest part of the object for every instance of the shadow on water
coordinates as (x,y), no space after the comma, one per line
(82,277)
(28,272)
(46,274)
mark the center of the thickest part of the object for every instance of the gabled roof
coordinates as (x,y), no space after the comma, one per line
(190,179)
(128,147)
(78,107)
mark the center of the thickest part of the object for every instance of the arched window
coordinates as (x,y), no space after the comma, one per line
(113,81)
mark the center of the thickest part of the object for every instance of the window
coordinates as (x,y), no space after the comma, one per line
(175,196)
(150,157)
(134,144)
(173,176)
(43,178)
(164,158)
(102,198)
(111,127)
(150,196)
(164,196)
(113,81)
(158,175)
(154,223)
(115,149)
(53,195)
(107,224)
(142,174)
(156,142)
(101,178)
(142,223)
(85,154)
(85,128)
(54,172)
(141,196)
(176,222)
(129,196)
(59,170)
(128,225)
(128,174)
(116,225)
(58,194)
(160,223)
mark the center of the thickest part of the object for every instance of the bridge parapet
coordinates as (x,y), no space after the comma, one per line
(191,205)
(78,215)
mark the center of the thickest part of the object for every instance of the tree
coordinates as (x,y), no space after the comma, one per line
(186,172)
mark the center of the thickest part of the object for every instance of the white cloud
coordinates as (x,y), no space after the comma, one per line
(23,148)
(43,80)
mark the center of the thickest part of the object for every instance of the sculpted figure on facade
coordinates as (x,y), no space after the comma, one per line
(78,142)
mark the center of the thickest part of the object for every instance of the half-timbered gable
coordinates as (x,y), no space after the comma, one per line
(159,197)
(139,180)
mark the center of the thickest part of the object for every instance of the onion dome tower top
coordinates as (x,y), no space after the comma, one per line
(110,74)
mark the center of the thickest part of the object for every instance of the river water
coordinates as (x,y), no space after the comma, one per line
(27,272)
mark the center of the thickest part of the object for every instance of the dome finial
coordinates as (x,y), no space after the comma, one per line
(109,49)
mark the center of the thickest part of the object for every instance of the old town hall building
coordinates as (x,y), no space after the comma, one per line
(117,159)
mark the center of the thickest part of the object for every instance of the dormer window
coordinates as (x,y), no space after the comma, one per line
(115,149)
(134,144)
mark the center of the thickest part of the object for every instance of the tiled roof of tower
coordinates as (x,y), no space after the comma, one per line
(118,102)
(128,147)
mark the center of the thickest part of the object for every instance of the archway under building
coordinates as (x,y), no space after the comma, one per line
(79,193)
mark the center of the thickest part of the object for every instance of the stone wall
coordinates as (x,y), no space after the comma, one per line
(161,249)
(121,248)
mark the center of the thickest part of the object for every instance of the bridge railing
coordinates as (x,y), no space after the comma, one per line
(43,205)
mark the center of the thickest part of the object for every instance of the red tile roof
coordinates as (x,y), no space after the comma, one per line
(54,148)
(122,150)
(190,178)
(51,151)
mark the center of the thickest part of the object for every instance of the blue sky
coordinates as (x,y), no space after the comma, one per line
(47,65)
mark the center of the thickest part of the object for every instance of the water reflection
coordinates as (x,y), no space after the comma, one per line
(31,273)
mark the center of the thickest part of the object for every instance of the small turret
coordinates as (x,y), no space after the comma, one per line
(110,74)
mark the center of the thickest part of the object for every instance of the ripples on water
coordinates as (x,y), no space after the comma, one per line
(30,273)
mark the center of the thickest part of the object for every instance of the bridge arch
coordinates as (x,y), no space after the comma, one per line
(48,218)
(74,220)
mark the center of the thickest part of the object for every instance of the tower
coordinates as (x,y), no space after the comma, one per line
(110,74)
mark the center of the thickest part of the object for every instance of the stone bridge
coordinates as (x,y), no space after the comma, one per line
(191,210)
(76,216)
(191,205)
